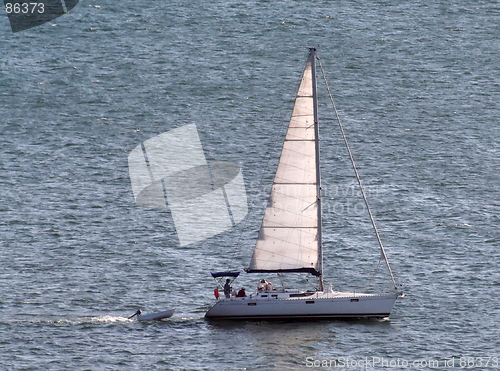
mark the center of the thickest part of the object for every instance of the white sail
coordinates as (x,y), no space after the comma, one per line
(290,235)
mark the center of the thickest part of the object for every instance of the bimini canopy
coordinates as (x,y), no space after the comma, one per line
(224,274)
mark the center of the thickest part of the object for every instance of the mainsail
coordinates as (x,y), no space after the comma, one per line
(290,236)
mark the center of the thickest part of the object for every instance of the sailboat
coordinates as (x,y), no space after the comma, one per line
(290,240)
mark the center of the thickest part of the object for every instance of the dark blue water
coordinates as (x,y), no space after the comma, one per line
(418,89)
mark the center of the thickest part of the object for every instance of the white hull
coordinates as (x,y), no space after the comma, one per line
(293,305)
(156,316)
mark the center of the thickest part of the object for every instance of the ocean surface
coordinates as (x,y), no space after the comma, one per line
(417,86)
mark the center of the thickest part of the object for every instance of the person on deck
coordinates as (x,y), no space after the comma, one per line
(265,286)
(241,293)
(262,285)
(227,288)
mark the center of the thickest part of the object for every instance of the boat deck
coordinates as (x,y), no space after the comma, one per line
(299,295)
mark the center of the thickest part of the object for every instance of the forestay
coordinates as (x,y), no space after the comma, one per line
(290,236)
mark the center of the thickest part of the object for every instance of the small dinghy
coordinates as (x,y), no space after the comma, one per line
(152,316)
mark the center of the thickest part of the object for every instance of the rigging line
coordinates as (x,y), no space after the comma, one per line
(372,278)
(351,157)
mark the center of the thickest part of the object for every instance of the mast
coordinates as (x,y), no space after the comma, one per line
(312,52)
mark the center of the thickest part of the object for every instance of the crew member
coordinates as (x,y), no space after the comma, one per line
(227,288)
(262,285)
